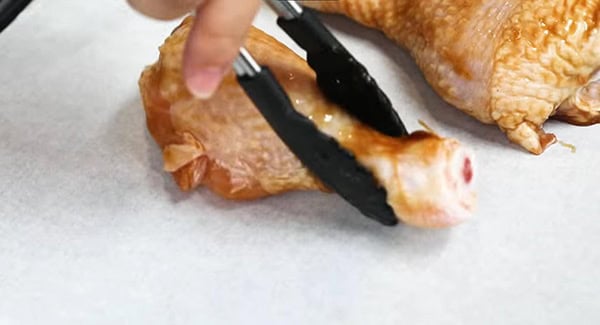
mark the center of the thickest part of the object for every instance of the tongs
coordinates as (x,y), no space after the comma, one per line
(9,10)
(344,81)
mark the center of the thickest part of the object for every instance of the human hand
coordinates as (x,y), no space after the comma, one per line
(218,33)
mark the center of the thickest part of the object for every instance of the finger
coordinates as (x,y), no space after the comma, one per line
(218,32)
(165,9)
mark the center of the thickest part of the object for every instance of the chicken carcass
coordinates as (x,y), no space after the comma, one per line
(514,63)
(224,143)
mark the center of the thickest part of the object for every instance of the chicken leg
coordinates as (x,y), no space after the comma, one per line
(224,143)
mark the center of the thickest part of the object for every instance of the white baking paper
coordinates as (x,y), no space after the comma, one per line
(92,231)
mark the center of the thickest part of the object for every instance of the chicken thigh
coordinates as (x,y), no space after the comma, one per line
(514,63)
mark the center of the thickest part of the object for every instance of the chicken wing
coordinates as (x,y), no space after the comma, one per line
(513,63)
(224,143)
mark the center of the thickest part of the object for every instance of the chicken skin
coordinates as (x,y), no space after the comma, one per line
(514,63)
(225,144)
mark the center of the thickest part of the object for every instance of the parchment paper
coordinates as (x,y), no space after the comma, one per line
(92,231)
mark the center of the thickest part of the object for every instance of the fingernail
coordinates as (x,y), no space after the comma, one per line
(204,82)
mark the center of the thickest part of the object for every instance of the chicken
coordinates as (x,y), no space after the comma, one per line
(224,143)
(514,63)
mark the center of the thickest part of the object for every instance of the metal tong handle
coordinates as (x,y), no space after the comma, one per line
(285,9)
(245,65)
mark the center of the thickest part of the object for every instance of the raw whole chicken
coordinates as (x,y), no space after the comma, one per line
(513,63)
(224,143)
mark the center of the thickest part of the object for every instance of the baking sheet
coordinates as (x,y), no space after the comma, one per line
(92,231)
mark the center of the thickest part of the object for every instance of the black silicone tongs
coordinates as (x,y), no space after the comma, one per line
(345,82)
(9,10)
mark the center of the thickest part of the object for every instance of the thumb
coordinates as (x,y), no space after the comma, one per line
(217,34)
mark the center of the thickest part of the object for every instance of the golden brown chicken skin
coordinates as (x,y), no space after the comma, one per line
(224,143)
(514,63)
